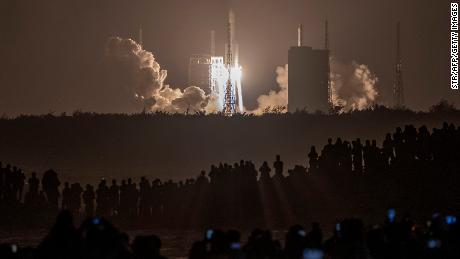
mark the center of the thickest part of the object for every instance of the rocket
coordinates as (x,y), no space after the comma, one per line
(231,24)
(300,36)
(140,36)
(233,98)
(231,48)
(229,96)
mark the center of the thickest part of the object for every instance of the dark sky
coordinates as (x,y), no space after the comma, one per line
(51,51)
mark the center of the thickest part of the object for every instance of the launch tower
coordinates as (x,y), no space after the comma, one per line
(233,98)
(309,77)
(229,104)
(329,83)
(398,87)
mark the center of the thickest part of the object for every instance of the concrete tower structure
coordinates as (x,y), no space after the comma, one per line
(198,71)
(329,82)
(308,78)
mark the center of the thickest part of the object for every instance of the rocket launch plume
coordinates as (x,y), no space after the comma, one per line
(353,88)
(143,79)
(138,77)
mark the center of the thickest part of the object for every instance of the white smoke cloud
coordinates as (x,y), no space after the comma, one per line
(275,100)
(141,73)
(353,88)
(213,104)
(191,100)
(138,72)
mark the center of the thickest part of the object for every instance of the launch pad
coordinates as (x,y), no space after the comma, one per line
(223,73)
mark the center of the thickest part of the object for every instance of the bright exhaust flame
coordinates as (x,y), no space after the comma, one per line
(219,78)
(236,74)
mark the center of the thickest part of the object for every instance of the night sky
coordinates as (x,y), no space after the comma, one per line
(51,51)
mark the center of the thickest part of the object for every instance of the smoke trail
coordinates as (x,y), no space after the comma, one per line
(275,100)
(353,88)
(141,77)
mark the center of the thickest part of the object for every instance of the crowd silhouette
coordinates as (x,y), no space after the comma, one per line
(396,237)
(242,194)
(414,170)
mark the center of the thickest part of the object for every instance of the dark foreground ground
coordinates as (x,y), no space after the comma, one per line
(394,237)
(175,243)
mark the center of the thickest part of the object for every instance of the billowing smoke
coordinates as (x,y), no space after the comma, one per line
(142,79)
(275,101)
(353,88)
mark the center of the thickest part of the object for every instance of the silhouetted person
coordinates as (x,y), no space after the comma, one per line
(102,199)
(34,183)
(338,155)
(213,174)
(156,194)
(62,241)
(75,198)
(2,182)
(202,180)
(424,144)
(19,179)
(144,197)
(295,242)
(261,245)
(387,151)
(42,203)
(398,145)
(50,184)
(376,158)
(66,197)
(8,196)
(315,236)
(31,198)
(313,159)
(347,160)
(367,156)
(124,199)
(88,199)
(298,173)
(264,172)
(357,151)
(147,247)
(114,197)
(133,198)
(327,156)
(278,165)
